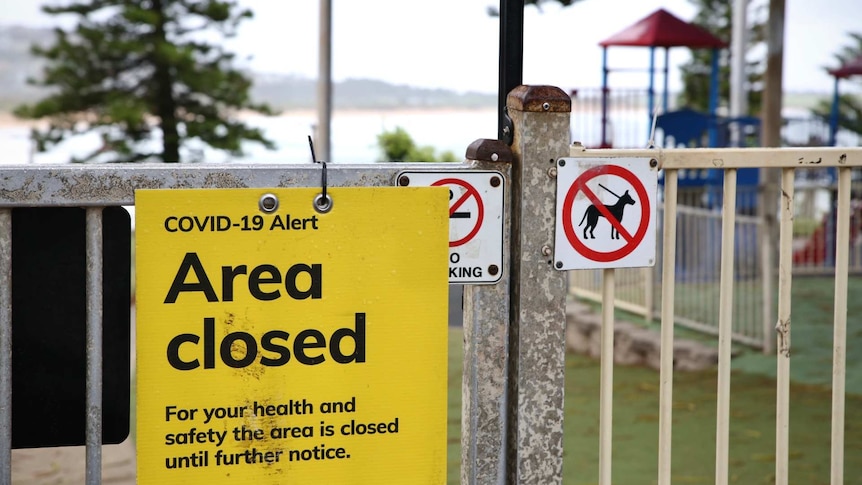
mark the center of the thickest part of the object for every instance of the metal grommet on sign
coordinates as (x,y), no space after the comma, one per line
(268,203)
(323,201)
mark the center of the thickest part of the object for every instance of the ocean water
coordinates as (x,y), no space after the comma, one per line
(353,137)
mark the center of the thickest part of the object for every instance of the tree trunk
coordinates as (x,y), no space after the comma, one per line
(165,104)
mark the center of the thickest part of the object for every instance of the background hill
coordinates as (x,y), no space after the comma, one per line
(282,92)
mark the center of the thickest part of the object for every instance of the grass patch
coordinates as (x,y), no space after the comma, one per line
(812,316)
(635,454)
(456,358)
(752,430)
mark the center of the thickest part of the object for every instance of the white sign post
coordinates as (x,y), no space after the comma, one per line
(606,213)
(475,222)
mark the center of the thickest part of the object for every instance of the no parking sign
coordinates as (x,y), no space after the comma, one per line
(606,213)
(475,221)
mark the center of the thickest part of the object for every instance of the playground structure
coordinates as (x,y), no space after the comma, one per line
(622,118)
(661,29)
(682,127)
(818,248)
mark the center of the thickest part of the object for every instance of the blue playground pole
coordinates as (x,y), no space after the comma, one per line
(833,116)
(713,100)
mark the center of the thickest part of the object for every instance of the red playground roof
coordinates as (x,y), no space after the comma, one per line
(662,29)
(849,68)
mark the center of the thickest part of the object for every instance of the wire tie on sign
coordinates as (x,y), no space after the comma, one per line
(323,201)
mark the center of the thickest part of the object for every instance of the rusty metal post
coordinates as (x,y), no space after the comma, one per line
(541,117)
(486,348)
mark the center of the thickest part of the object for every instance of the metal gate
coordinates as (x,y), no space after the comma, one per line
(789,162)
(514,364)
(95,187)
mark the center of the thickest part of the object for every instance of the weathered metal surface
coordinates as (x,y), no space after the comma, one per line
(99,185)
(677,158)
(485,150)
(537,326)
(782,329)
(668,278)
(540,99)
(725,327)
(839,329)
(94,346)
(104,185)
(5,346)
(606,391)
(486,342)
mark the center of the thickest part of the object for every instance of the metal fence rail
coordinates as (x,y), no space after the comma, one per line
(698,236)
(99,186)
(696,271)
(789,162)
(627,123)
(5,346)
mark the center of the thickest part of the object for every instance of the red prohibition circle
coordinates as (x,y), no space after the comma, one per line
(470,192)
(579,184)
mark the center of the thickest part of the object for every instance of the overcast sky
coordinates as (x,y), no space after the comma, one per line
(453,44)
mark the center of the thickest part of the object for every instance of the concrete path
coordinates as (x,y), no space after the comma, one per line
(65,465)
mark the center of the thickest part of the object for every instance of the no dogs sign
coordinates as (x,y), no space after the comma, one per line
(606,213)
(281,344)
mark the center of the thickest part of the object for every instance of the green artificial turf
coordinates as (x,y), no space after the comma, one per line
(635,449)
(456,358)
(752,428)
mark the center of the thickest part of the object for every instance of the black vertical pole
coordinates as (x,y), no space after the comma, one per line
(511,59)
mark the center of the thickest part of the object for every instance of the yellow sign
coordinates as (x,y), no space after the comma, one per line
(276,344)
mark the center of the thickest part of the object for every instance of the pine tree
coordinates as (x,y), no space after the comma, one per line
(716,17)
(143,74)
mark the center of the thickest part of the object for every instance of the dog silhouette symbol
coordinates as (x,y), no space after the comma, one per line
(593,213)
